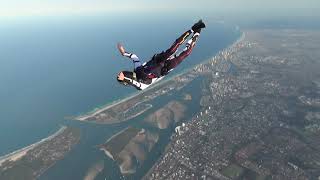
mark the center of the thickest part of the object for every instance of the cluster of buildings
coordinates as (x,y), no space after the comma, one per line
(42,155)
(243,130)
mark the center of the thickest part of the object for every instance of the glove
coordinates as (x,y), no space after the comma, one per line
(198,26)
(121,49)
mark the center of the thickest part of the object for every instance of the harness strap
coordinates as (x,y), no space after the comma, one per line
(134,75)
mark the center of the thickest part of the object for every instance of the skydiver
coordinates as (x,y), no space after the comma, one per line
(161,64)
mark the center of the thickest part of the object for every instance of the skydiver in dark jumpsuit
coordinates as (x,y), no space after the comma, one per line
(161,64)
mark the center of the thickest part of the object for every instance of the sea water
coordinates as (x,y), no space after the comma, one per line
(54,68)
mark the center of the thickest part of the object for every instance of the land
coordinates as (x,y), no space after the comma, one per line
(139,103)
(260,113)
(32,161)
(187,97)
(94,170)
(167,116)
(129,148)
(116,143)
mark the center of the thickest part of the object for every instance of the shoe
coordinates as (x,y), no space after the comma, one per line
(198,26)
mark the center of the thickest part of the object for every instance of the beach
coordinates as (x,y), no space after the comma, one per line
(108,106)
(16,155)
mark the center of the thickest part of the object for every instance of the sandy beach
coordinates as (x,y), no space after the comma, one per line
(92,114)
(16,155)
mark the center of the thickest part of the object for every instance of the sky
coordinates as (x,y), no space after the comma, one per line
(18,8)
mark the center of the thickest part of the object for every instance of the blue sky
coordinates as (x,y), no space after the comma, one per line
(10,8)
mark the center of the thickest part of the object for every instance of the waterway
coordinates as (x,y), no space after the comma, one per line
(59,68)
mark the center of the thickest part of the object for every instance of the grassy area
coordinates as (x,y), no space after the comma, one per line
(118,142)
(233,171)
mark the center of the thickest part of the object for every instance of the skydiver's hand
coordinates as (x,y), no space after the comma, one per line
(121,76)
(198,26)
(121,49)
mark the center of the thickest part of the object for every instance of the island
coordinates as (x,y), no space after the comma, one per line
(129,148)
(167,116)
(139,103)
(94,170)
(32,161)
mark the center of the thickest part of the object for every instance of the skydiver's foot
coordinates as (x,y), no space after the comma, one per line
(198,26)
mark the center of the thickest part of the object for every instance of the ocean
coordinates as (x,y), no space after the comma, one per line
(54,68)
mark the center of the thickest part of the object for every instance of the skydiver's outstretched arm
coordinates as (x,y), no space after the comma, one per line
(132,56)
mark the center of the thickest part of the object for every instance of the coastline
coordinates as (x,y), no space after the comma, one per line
(16,155)
(108,153)
(141,112)
(117,102)
(103,108)
(112,104)
(239,40)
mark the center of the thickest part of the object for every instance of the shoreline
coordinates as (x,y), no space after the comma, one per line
(109,139)
(105,107)
(117,102)
(130,96)
(18,154)
(141,112)
(239,40)
(108,153)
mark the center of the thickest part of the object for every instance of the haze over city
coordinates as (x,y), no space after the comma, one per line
(159,89)
(18,8)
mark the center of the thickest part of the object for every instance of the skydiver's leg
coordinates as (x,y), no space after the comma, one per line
(164,55)
(172,63)
(177,43)
(196,29)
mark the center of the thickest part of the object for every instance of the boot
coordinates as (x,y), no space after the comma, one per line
(198,26)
